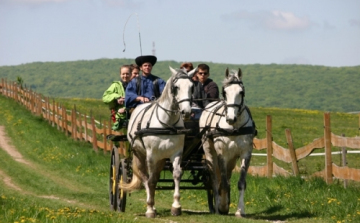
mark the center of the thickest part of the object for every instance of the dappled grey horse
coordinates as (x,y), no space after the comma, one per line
(156,132)
(229,137)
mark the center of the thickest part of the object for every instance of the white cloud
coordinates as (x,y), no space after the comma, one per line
(354,22)
(277,20)
(286,20)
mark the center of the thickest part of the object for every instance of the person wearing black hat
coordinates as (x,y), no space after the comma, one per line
(146,87)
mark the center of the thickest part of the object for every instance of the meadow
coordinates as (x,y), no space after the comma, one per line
(67,181)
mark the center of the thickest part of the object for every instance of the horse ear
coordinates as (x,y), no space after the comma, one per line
(240,73)
(227,72)
(192,72)
(173,71)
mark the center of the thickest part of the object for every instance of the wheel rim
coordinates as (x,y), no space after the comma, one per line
(121,199)
(113,185)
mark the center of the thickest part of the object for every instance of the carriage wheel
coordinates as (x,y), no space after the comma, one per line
(122,176)
(113,182)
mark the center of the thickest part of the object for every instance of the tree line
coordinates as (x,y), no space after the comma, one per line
(271,85)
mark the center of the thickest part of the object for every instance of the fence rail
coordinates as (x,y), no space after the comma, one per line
(83,127)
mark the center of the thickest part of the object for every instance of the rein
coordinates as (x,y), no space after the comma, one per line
(242,130)
(168,129)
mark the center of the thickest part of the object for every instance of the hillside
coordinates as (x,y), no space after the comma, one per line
(283,86)
(48,177)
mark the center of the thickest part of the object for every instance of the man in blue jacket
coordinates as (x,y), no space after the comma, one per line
(146,87)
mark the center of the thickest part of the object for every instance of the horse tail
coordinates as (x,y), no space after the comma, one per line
(136,182)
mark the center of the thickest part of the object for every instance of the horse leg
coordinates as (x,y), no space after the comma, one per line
(245,163)
(150,185)
(176,206)
(224,189)
(212,164)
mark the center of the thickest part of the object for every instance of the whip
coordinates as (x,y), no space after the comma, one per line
(138,29)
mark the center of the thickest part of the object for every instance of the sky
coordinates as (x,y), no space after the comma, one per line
(321,32)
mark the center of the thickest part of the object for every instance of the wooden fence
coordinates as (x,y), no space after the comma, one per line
(82,127)
(78,126)
(292,155)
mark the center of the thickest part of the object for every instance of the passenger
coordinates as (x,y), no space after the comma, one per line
(189,67)
(114,96)
(134,70)
(205,89)
(146,87)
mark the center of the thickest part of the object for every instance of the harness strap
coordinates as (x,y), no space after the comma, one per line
(162,131)
(231,132)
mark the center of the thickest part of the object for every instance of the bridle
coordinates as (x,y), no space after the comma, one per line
(178,76)
(239,106)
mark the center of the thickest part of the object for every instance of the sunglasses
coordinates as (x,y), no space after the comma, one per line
(202,73)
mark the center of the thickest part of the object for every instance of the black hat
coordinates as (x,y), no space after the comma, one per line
(145,59)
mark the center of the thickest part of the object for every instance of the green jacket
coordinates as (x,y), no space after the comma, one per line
(110,96)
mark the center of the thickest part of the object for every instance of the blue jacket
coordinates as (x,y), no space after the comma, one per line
(146,90)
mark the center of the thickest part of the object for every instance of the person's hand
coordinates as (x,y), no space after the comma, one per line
(143,99)
(121,101)
(121,110)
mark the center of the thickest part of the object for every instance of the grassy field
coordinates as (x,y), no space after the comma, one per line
(66,181)
(305,126)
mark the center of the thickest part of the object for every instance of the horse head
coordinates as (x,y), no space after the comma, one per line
(233,92)
(182,88)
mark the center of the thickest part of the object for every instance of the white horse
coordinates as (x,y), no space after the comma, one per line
(156,132)
(229,136)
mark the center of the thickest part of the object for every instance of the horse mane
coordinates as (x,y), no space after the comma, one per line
(233,76)
(166,94)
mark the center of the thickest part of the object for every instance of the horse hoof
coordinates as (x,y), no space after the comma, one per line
(224,212)
(175,211)
(239,215)
(150,215)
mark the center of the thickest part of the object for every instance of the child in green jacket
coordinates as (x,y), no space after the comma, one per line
(114,96)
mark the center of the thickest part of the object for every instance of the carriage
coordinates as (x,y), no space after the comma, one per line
(193,162)
(187,146)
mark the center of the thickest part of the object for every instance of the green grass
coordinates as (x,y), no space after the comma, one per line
(305,126)
(77,177)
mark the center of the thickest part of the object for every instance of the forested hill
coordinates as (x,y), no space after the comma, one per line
(283,86)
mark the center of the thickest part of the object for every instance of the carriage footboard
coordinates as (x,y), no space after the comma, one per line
(116,138)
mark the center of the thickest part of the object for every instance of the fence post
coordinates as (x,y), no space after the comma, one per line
(104,128)
(292,152)
(65,120)
(327,137)
(269,146)
(85,127)
(344,162)
(80,128)
(32,101)
(53,113)
(58,115)
(15,92)
(41,104)
(6,88)
(46,105)
(94,142)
